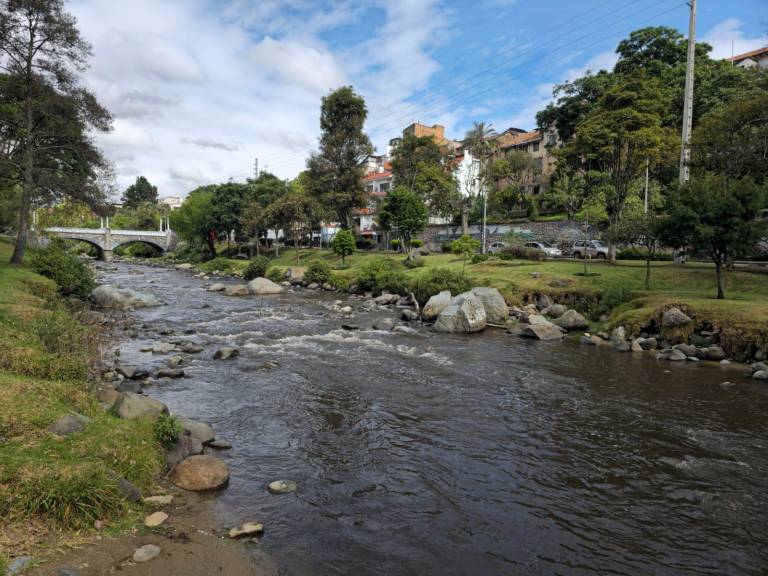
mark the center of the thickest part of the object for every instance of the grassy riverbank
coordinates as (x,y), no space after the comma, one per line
(52,485)
(613,289)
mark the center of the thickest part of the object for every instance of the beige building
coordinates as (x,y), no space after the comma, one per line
(756,58)
(540,146)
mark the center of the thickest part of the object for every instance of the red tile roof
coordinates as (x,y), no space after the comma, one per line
(524,138)
(758,52)
(377,176)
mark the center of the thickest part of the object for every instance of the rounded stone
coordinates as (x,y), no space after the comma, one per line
(282,487)
(146,553)
(201,473)
(155,519)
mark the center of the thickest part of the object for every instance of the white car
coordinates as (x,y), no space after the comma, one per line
(496,247)
(546,247)
(594,249)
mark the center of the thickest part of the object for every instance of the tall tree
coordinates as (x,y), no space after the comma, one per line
(405,214)
(618,138)
(139,192)
(297,213)
(334,175)
(194,221)
(480,140)
(43,52)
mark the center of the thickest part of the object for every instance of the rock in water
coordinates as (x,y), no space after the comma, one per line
(163,348)
(571,320)
(200,473)
(225,353)
(106,296)
(384,324)
(247,529)
(435,305)
(170,373)
(496,309)
(186,445)
(220,444)
(237,290)
(155,519)
(465,314)
(282,486)
(674,317)
(543,332)
(263,286)
(218,287)
(146,553)
(131,405)
(409,315)
(619,339)
(714,353)
(199,430)
(760,375)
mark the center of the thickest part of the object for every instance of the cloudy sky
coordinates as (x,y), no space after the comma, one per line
(199,88)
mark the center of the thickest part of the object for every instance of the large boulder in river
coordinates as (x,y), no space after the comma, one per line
(465,314)
(237,290)
(199,430)
(218,287)
(262,286)
(131,405)
(674,317)
(435,305)
(496,309)
(200,473)
(571,320)
(185,446)
(543,331)
(106,296)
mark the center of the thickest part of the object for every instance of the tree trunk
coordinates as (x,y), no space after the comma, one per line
(464,219)
(211,246)
(23,223)
(27,186)
(720,279)
(648,271)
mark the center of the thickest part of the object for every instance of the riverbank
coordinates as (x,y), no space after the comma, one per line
(612,295)
(69,468)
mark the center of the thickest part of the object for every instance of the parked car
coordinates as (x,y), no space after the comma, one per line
(496,247)
(593,249)
(546,247)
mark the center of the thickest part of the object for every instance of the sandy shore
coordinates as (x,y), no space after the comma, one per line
(193,543)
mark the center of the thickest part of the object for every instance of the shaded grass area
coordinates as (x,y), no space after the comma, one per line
(615,289)
(66,482)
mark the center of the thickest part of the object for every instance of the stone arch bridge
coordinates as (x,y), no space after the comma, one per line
(106,239)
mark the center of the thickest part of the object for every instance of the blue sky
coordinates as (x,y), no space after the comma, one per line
(201,87)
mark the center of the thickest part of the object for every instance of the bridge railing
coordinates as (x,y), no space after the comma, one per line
(152,233)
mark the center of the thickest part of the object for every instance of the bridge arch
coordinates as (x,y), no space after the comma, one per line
(90,242)
(128,241)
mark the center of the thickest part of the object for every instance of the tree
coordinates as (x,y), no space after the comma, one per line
(139,192)
(619,137)
(718,216)
(334,175)
(343,244)
(405,214)
(296,212)
(465,246)
(51,118)
(645,229)
(569,192)
(480,141)
(194,221)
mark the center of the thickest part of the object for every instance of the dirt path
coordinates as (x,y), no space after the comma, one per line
(193,543)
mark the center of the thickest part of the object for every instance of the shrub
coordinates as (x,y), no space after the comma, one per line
(365,244)
(395,244)
(319,272)
(417,243)
(256,268)
(437,280)
(414,261)
(167,430)
(640,254)
(446,247)
(276,274)
(71,275)
(477,258)
(218,264)
(379,275)
(343,244)
(522,253)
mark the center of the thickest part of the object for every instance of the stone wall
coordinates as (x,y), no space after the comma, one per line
(560,233)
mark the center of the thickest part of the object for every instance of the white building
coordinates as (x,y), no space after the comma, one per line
(756,58)
(172,202)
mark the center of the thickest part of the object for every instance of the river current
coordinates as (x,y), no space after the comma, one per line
(421,453)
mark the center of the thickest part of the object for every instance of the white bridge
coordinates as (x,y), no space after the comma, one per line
(106,239)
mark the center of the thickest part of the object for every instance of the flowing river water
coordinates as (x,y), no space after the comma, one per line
(487,454)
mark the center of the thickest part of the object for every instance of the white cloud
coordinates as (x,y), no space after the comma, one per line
(601,61)
(297,64)
(728,38)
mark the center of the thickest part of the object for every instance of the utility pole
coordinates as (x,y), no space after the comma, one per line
(685,150)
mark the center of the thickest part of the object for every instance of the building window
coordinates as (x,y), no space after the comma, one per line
(535,146)
(384,187)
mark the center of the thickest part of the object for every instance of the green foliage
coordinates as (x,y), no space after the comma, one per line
(72,276)
(379,275)
(319,272)
(139,192)
(343,244)
(641,254)
(142,216)
(257,268)
(297,213)
(405,213)
(416,243)
(194,220)
(436,280)
(478,258)
(414,261)
(520,252)
(276,274)
(167,430)
(334,175)
(220,265)
(395,244)
(465,246)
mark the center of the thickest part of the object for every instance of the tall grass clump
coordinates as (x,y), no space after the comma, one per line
(437,280)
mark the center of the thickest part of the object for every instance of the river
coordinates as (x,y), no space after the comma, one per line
(462,455)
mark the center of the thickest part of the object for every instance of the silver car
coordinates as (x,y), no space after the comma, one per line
(592,249)
(549,250)
(496,247)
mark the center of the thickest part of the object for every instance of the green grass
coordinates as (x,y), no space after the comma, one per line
(67,482)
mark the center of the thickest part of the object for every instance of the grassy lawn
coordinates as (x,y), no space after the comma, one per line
(45,480)
(615,288)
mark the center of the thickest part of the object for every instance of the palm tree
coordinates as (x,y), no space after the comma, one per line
(480,140)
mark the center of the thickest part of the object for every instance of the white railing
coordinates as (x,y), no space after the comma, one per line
(152,233)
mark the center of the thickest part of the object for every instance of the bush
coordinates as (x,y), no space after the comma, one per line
(72,276)
(446,247)
(437,280)
(522,253)
(218,264)
(395,244)
(414,261)
(477,258)
(343,244)
(319,272)
(276,274)
(417,243)
(365,244)
(379,275)
(256,268)
(167,430)
(640,254)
